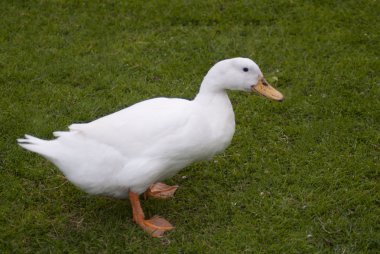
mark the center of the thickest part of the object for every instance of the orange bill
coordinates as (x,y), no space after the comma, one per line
(262,87)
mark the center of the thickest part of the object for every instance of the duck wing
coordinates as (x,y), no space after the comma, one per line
(150,128)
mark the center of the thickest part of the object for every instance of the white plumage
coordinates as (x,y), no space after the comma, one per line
(152,140)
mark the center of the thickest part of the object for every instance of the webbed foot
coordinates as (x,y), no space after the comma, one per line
(160,190)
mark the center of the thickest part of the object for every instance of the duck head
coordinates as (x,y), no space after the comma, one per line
(239,74)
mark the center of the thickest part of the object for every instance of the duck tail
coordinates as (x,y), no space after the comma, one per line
(40,146)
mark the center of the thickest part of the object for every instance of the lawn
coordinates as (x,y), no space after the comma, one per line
(300,176)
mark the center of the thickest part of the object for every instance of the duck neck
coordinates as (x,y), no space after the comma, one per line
(208,92)
(216,107)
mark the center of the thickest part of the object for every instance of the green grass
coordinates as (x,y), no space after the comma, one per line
(299,177)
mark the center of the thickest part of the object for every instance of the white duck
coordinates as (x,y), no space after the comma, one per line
(128,152)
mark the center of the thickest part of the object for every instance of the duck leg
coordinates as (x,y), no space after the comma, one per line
(160,190)
(156,226)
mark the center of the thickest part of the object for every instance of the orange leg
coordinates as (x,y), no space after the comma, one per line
(160,190)
(156,226)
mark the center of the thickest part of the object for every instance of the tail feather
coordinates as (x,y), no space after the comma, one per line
(30,140)
(40,146)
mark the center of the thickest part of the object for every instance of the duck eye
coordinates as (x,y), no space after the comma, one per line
(245,69)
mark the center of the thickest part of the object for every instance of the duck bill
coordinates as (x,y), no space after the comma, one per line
(263,88)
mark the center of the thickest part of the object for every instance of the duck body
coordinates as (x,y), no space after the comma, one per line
(133,148)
